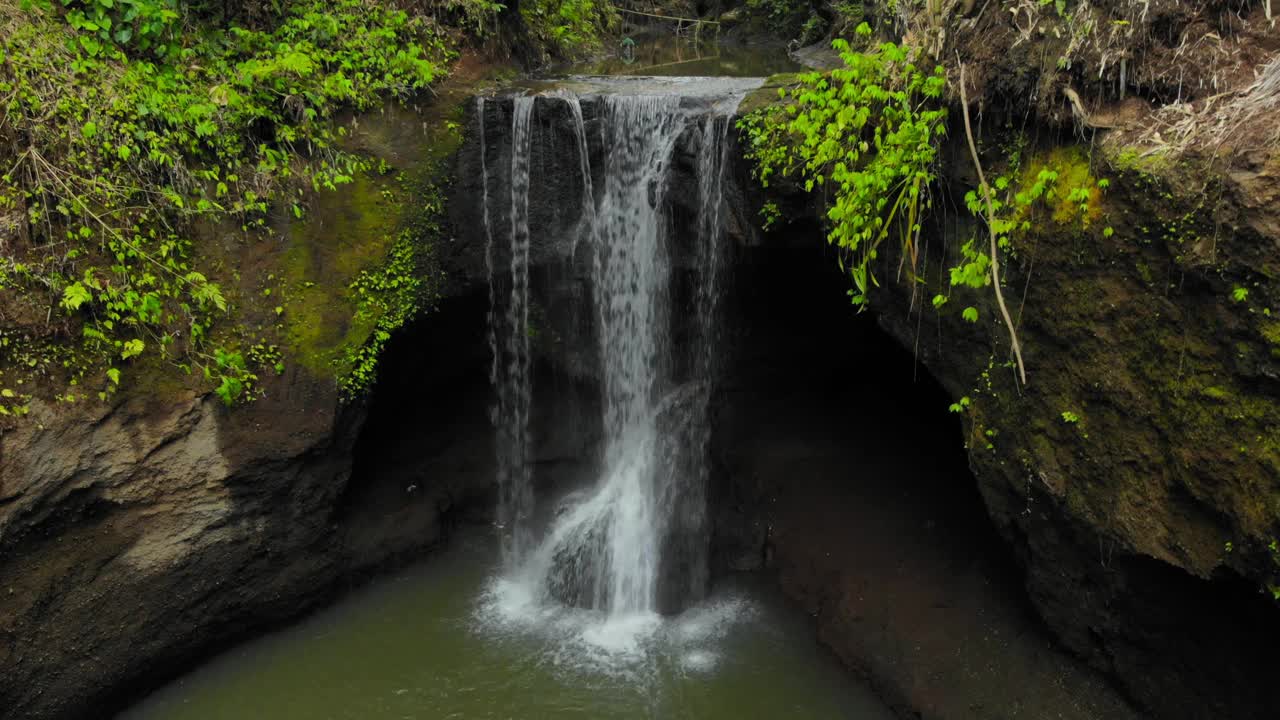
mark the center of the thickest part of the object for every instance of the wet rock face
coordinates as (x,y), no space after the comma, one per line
(1121,520)
(840,473)
(1128,523)
(683,438)
(577,570)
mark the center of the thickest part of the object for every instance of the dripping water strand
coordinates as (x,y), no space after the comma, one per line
(588,222)
(519,490)
(488,262)
(501,403)
(712,160)
(711,167)
(509,342)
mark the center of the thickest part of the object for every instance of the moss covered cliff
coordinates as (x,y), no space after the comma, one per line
(221,193)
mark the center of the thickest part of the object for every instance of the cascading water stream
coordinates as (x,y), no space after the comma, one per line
(509,372)
(692,511)
(635,542)
(604,551)
(588,222)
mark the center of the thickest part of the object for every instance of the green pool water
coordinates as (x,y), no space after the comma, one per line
(450,639)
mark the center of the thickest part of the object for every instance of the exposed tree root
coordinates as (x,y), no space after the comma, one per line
(995,261)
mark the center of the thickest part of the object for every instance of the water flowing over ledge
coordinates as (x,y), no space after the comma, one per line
(691,91)
(612,555)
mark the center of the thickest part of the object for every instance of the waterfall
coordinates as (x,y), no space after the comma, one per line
(635,542)
(712,160)
(604,549)
(509,371)
(588,221)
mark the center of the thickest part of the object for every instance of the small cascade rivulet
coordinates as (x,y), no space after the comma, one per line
(635,542)
(509,346)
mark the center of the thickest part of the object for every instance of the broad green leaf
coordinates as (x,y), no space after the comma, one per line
(75,295)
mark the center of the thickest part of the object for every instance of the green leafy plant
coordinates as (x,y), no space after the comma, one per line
(1056,189)
(386,298)
(770,214)
(144,26)
(231,374)
(569,26)
(866,135)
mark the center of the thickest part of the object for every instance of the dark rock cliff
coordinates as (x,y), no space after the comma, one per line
(134,535)
(1136,476)
(1142,519)
(136,539)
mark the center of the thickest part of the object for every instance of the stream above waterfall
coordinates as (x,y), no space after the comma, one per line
(672,55)
(424,645)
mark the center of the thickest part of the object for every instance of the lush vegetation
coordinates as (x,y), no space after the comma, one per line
(866,135)
(136,126)
(806,21)
(568,26)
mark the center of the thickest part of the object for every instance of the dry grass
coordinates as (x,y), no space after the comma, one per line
(1228,122)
